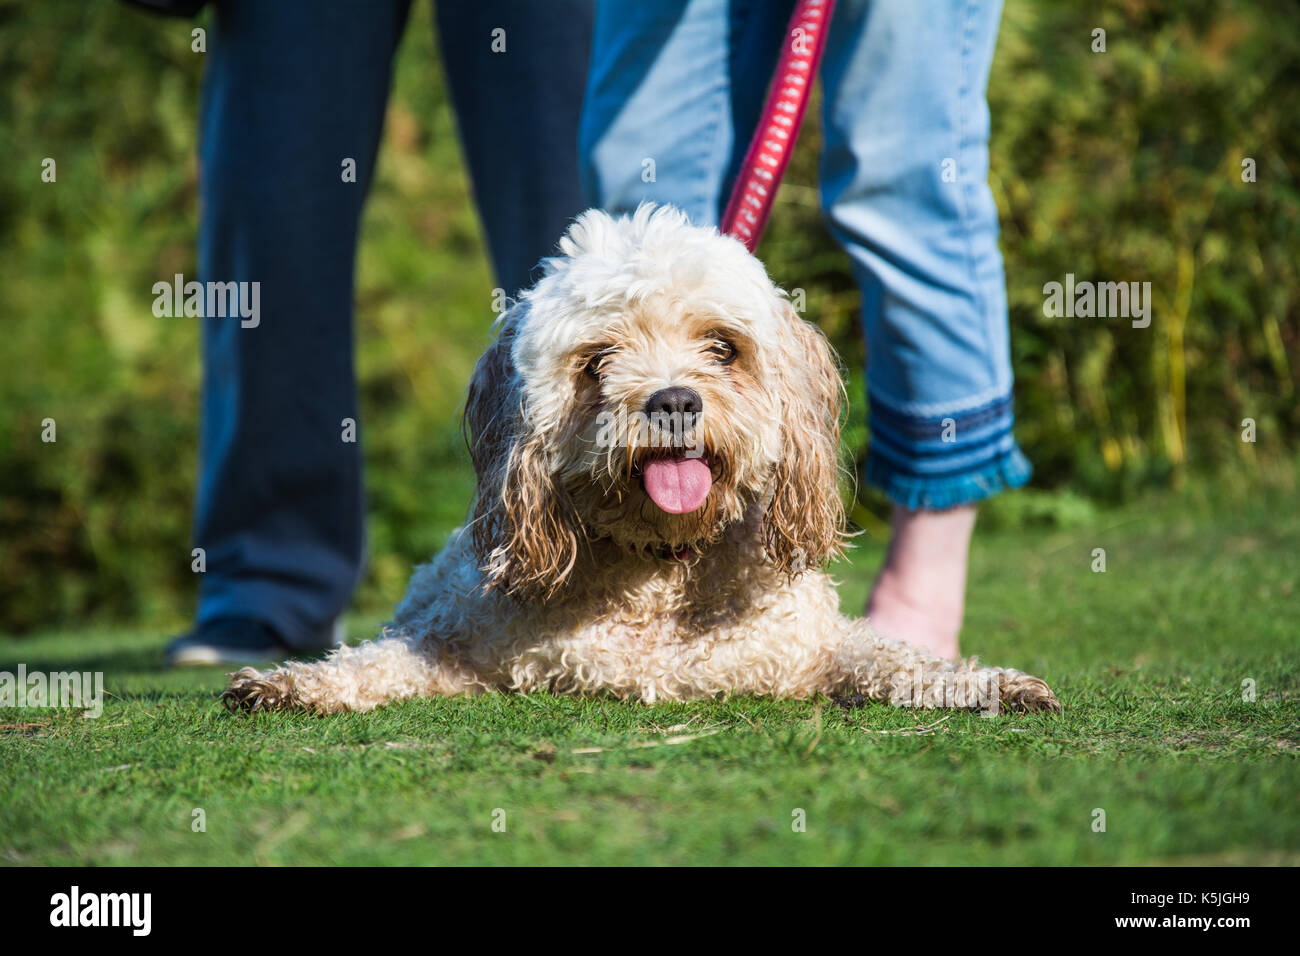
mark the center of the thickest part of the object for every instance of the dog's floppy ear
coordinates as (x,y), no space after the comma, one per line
(522,528)
(803,526)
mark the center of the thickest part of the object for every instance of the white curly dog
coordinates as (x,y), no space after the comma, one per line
(655,434)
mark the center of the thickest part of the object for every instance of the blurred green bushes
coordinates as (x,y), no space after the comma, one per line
(1123,165)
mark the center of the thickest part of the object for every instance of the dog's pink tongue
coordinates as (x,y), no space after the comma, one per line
(677,485)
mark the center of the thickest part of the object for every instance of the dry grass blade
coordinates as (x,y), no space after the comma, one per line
(666,742)
(920,730)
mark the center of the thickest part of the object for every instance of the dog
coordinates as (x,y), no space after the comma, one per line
(655,435)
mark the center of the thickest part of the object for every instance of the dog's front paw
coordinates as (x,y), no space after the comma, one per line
(252,690)
(1025,694)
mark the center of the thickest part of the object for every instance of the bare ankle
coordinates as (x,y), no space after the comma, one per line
(894,614)
(919,596)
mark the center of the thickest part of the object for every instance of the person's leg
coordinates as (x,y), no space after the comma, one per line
(920,593)
(904,184)
(674,92)
(293,89)
(518,98)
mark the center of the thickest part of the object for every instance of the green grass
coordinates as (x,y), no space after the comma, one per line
(1148,659)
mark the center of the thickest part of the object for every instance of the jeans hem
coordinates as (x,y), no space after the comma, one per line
(919,493)
(287,628)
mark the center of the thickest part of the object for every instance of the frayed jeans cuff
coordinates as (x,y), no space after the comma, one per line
(931,463)
(938,492)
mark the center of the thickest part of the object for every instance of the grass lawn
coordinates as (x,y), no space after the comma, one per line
(1149,659)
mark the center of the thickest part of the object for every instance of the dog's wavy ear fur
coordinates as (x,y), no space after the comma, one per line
(803,526)
(522,530)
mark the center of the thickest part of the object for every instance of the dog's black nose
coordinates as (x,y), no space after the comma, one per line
(677,400)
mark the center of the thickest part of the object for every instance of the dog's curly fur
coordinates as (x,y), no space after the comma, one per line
(570,578)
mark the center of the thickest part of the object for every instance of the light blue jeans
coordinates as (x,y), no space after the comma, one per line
(673,95)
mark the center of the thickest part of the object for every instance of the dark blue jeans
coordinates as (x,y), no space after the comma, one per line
(293,87)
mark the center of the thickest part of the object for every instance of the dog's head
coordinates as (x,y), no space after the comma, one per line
(653,388)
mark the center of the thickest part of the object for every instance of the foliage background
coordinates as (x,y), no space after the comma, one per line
(1123,165)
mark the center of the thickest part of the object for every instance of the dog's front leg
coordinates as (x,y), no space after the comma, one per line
(907,676)
(359,678)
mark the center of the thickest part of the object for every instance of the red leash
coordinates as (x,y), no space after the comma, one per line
(773,142)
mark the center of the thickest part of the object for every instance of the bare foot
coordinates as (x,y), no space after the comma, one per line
(920,594)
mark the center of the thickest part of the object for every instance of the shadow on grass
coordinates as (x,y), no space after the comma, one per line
(129,660)
(132,660)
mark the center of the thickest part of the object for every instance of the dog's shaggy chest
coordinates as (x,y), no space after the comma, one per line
(652,630)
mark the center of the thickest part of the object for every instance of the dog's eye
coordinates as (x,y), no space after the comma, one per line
(595,364)
(723,351)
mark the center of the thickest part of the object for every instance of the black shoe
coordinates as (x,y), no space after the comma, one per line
(228,641)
